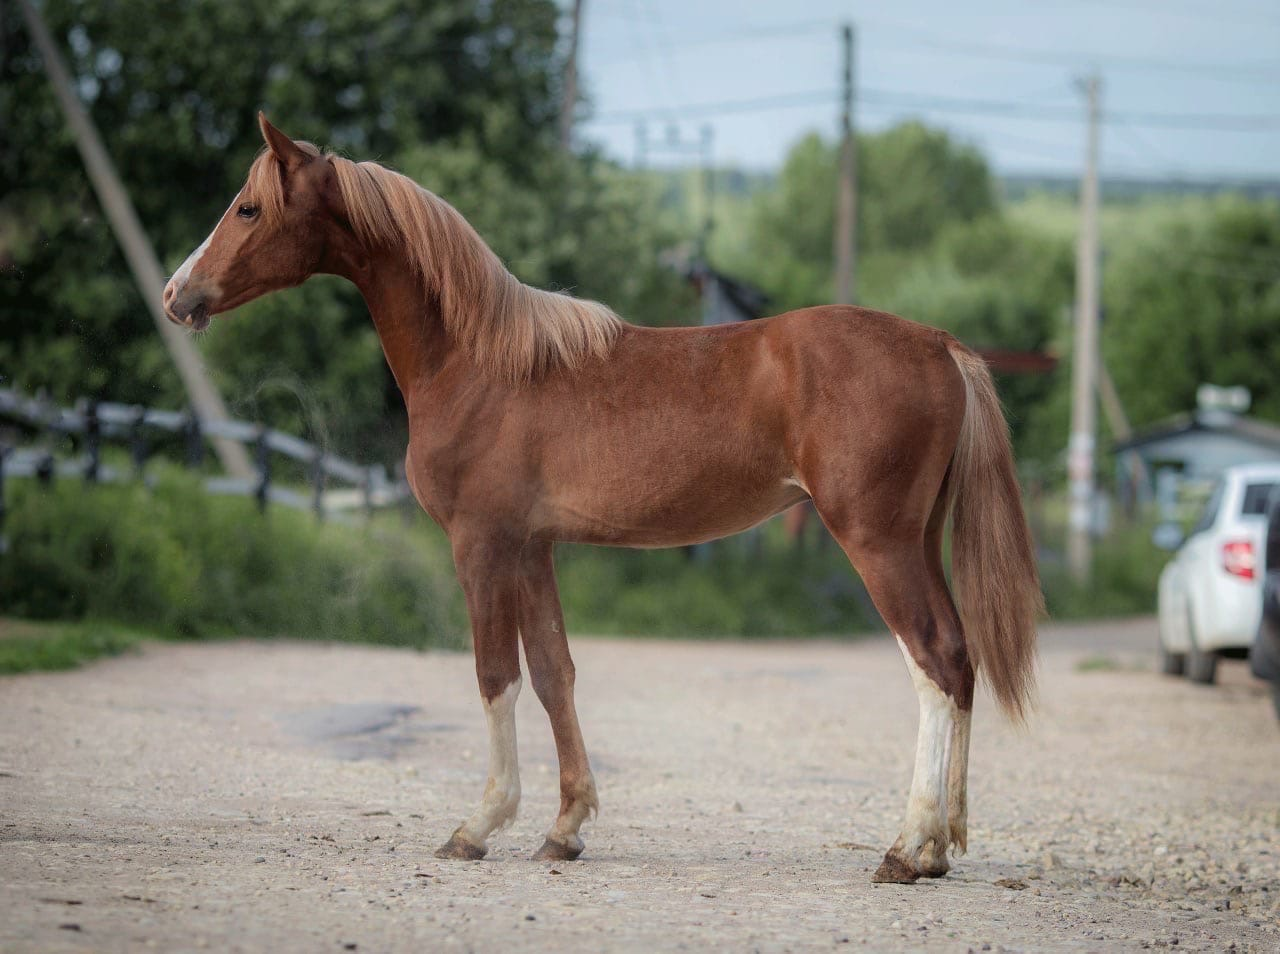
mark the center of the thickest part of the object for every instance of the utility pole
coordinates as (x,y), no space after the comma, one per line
(570,100)
(708,188)
(847,207)
(204,397)
(1085,366)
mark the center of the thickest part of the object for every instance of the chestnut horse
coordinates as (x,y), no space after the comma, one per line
(536,417)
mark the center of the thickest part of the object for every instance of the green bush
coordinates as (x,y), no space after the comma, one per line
(178,561)
(739,589)
(183,562)
(174,560)
(1125,576)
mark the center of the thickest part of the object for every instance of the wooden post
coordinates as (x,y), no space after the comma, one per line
(847,207)
(195,441)
(368,492)
(264,469)
(92,442)
(1084,370)
(138,441)
(317,484)
(133,241)
(4,543)
(570,100)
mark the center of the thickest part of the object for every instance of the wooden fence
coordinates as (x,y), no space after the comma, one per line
(92,424)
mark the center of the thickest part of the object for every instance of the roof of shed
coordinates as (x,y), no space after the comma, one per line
(1245,428)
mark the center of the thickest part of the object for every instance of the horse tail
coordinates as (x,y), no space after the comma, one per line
(993,560)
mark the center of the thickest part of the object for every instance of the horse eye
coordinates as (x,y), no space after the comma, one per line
(247,211)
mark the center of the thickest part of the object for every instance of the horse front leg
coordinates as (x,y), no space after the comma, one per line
(546,648)
(488,571)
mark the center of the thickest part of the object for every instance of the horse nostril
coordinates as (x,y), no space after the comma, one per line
(169,293)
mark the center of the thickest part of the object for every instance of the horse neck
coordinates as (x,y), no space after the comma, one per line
(407,320)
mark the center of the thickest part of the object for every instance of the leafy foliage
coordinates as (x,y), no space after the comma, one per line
(460,94)
(181,562)
(753,587)
(912,182)
(1196,302)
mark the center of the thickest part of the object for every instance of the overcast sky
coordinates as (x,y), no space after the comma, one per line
(1193,86)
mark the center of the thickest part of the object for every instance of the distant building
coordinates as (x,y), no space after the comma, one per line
(1202,444)
(1180,457)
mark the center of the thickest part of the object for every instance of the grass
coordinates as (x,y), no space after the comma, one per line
(28,646)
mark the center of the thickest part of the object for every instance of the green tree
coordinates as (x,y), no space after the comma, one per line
(994,284)
(1196,302)
(462,94)
(912,182)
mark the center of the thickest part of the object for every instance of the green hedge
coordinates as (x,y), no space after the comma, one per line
(740,590)
(178,561)
(175,561)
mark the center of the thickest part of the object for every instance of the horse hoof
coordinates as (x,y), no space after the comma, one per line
(459,849)
(933,863)
(894,870)
(558,851)
(935,870)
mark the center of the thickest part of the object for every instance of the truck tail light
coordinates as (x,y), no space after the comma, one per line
(1239,559)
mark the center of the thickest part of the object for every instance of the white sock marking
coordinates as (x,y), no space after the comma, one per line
(502,790)
(927,803)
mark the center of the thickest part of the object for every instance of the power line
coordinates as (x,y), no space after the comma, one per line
(1042,113)
(1214,12)
(1267,69)
(817,29)
(1264,70)
(1011,109)
(723,107)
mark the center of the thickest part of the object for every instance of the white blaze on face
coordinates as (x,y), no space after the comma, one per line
(183,274)
(927,804)
(502,791)
(180,278)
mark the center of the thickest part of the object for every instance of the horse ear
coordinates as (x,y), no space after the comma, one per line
(281,146)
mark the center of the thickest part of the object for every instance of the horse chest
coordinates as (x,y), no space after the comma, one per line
(458,476)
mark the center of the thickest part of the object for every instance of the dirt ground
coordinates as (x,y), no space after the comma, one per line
(287,797)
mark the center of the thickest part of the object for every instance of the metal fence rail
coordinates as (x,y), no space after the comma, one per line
(95,423)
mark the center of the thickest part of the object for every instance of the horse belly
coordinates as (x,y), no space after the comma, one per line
(649,508)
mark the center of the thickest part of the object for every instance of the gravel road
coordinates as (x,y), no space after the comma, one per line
(248,796)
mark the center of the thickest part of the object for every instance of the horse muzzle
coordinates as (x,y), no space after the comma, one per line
(190,310)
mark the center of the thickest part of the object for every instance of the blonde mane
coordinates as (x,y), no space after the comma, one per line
(510,330)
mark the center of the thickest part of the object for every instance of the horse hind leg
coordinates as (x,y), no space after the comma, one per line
(961,676)
(913,601)
(958,776)
(921,846)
